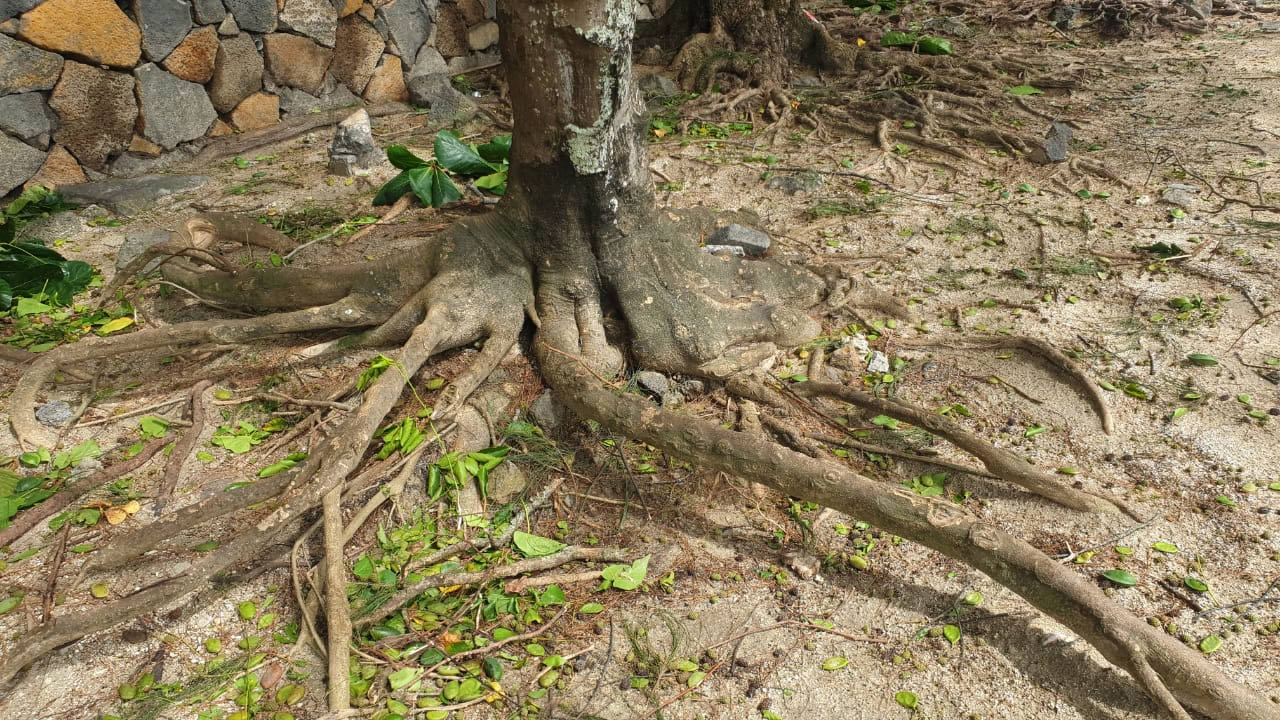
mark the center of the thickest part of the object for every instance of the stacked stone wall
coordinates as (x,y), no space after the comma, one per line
(90,87)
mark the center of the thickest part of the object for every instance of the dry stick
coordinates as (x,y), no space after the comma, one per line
(675,698)
(282,398)
(308,614)
(178,458)
(237,144)
(46,611)
(69,494)
(132,413)
(572,553)
(941,525)
(313,480)
(338,613)
(522,584)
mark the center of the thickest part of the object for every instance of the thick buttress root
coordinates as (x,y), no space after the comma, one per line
(1159,660)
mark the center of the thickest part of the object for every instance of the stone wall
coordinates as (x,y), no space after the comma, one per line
(99,86)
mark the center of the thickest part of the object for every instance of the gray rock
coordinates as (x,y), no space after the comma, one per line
(258,16)
(653,382)
(208,12)
(505,482)
(133,165)
(1064,16)
(429,87)
(752,241)
(428,62)
(691,387)
(464,63)
(21,161)
(228,26)
(1056,142)
(164,24)
(1178,194)
(806,181)
(58,226)
(658,85)
(54,414)
(483,36)
(548,413)
(132,195)
(171,110)
(1272,27)
(317,19)
(237,72)
(24,67)
(408,24)
(354,151)
(14,8)
(1201,9)
(879,362)
(27,116)
(137,242)
(293,102)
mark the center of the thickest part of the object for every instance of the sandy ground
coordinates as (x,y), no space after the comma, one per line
(1195,111)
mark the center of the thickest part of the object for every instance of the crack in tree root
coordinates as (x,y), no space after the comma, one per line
(664,291)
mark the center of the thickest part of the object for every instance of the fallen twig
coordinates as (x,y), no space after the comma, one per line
(178,458)
(567,555)
(72,492)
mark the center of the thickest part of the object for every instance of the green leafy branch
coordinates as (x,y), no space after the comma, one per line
(428,179)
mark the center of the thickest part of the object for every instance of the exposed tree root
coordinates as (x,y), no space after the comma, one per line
(1082,383)
(1122,638)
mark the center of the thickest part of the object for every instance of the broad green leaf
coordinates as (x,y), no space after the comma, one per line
(420,183)
(835,663)
(1121,577)
(906,699)
(9,603)
(497,150)
(535,545)
(591,608)
(443,191)
(116,325)
(1165,547)
(632,576)
(30,306)
(896,38)
(403,677)
(393,190)
(1210,643)
(1195,584)
(459,157)
(1202,359)
(403,159)
(535,649)
(951,633)
(929,45)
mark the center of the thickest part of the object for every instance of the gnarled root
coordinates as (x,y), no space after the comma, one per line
(1051,587)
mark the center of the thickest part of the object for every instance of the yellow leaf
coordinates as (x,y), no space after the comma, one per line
(132,506)
(115,515)
(659,132)
(861,42)
(116,325)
